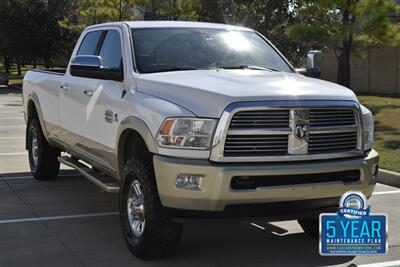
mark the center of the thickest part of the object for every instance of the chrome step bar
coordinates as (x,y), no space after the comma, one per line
(106,183)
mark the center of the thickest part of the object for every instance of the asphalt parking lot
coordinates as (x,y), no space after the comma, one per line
(70,222)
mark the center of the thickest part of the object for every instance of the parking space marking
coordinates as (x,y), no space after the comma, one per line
(15,153)
(381,264)
(31,177)
(386,192)
(12,126)
(257,226)
(52,218)
(11,138)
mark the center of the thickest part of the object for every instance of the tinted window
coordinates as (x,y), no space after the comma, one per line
(166,49)
(89,43)
(110,51)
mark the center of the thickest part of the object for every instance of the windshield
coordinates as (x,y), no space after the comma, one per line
(174,49)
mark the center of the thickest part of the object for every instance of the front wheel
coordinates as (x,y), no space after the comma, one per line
(148,231)
(43,160)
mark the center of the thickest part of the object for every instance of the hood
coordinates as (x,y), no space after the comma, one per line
(207,93)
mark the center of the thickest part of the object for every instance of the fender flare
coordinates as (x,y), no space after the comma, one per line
(136,124)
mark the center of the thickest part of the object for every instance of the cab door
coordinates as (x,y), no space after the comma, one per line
(86,104)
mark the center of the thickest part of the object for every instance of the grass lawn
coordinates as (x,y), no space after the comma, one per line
(386,112)
(14,79)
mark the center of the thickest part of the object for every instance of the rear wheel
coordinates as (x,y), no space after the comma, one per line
(148,231)
(310,226)
(42,157)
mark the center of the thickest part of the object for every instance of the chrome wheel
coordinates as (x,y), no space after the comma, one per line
(136,208)
(35,149)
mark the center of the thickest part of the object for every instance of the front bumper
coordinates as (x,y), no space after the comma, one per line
(216,194)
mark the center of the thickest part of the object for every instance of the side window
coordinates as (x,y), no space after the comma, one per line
(110,51)
(89,43)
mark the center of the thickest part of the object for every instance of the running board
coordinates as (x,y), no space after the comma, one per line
(106,183)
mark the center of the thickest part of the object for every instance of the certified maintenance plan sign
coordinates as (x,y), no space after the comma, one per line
(353,230)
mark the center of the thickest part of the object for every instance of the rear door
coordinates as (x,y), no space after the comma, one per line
(86,106)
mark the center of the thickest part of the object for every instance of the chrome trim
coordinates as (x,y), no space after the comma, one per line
(342,129)
(261,131)
(222,130)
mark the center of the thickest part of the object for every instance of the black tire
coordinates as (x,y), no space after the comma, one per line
(310,226)
(161,236)
(46,165)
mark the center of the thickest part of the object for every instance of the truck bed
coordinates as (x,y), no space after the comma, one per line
(57,71)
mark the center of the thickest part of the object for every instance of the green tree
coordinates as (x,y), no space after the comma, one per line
(29,29)
(88,12)
(269,17)
(346,26)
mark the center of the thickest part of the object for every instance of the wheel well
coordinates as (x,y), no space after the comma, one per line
(30,113)
(131,144)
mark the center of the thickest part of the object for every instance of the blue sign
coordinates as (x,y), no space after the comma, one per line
(353,230)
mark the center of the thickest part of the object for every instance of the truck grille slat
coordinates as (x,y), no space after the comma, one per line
(259,119)
(263,145)
(331,117)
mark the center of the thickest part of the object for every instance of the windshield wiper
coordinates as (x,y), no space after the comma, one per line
(246,67)
(175,69)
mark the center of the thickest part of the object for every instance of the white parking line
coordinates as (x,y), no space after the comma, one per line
(11,138)
(381,264)
(12,154)
(52,218)
(31,177)
(258,226)
(13,126)
(386,192)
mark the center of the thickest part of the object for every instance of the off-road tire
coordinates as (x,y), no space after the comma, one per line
(47,166)
(310,226)
(161,236)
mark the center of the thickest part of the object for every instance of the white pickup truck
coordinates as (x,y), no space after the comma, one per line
(196,120)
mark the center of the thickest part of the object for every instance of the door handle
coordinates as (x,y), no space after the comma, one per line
(64,87)
(88,92)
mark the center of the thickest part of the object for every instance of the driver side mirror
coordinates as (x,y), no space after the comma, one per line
(313,68)
(92,67)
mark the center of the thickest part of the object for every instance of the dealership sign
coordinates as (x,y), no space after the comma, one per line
(353,230)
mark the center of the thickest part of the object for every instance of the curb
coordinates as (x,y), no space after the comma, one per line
(389,178)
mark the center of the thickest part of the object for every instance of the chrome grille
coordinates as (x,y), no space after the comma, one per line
(332,142)
(331,117)
(260,119)
(256,145)
(291,130)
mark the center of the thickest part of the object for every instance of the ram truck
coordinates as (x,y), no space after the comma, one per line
(194,120)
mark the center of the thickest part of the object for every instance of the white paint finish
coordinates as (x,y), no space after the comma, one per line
(208,92)
(173,24)
(52,218)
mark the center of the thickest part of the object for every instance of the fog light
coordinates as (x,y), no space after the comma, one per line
(374,171)
(189,181)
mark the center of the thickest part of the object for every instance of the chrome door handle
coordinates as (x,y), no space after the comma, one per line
(88,92)
(64,87)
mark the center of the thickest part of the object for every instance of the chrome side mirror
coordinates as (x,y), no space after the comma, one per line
(92,67)
(313,66)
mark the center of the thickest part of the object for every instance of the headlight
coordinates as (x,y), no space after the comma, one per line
(368,123)
(187,133)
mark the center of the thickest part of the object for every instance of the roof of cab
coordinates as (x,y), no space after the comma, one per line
(173,24)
